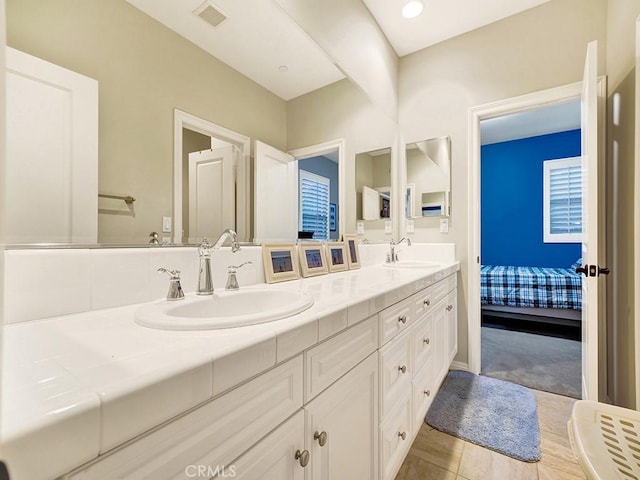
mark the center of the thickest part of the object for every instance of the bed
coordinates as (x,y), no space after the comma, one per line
(523,292)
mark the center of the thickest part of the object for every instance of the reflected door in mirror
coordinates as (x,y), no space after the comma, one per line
(52,153)
(211,192)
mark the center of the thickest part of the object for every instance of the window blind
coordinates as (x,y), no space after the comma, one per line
(563,200)
(314,204)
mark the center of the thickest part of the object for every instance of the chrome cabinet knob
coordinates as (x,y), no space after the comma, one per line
(321,438)
(426,341)
(302,457)
(449,308)
(403,368)
(427,393)
(426,302)
(402,319)
(402,435)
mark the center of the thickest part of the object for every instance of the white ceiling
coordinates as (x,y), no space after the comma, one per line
(531,123)
(257,38)
(440,19)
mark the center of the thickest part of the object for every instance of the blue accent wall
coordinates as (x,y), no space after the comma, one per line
(511,201)
(326,168)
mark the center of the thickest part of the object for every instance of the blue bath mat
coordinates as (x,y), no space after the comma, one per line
(495,414)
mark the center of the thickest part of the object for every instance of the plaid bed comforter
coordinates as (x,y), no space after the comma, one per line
(530,287)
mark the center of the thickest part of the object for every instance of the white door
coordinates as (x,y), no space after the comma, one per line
(52,153)
(592,227)
(275,195)
(212,203)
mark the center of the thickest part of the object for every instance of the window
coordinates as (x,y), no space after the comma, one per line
(563,200)
(314,204)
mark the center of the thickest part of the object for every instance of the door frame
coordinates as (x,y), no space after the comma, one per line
(320,149)
(636,215)
(186,120)
(500,108)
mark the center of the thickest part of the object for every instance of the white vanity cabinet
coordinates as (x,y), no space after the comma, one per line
(348,407)
(421,341)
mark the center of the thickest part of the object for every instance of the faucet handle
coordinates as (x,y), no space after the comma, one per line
(174,274)
(232,280)
(175,289)
(236,267)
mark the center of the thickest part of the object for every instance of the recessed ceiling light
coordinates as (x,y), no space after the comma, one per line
(412,8)
(283,68)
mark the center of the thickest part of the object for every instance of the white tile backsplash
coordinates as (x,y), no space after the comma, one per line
(46,283)
(52,282)
(120,277)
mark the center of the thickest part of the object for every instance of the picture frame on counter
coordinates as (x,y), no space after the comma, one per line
(280,262)
(337,257)
(313,260)
(353,252)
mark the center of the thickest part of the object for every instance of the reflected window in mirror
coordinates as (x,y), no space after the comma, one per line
(318,197)
(428,178)
(373,185)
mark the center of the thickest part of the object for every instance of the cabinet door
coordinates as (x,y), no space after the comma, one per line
(452,325)
(440,340)
(345,418)
(274,458)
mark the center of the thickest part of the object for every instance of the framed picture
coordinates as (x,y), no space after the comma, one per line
(337,256)
(312,259)
(280,262)
(332,217)
(353,253)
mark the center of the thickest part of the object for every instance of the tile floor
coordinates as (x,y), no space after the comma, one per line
(437,456)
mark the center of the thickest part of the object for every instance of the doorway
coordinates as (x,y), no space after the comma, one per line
(224,160)
(595,355)
(531,241)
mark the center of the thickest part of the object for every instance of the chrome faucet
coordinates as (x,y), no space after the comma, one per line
(175,289)
(392,256)
(205,280)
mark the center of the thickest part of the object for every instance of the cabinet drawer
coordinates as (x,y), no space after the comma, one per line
(395,372)
(327,362)
(439,291)
(422,341)
(423,392)
(395,319)
(214,434)
(395,439)
(423,302)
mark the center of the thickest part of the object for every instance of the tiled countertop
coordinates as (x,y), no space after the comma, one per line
(79,385)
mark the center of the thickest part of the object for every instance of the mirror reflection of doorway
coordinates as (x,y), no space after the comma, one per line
(208,195)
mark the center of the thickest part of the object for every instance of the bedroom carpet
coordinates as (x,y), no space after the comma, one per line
(536,361)
(501,416)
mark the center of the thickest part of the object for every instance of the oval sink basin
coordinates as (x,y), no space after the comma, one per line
(412,264)
(224,309)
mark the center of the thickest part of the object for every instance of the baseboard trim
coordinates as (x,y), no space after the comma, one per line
(456,365)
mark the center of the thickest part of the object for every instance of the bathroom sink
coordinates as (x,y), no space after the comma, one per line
(412,264)
(224,309)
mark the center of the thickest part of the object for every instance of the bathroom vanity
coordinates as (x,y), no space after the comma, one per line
(337,391)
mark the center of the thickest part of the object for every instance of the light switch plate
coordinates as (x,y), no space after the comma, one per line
(166,224)
(387,226)
(360,228)
(411,226)
(444,225)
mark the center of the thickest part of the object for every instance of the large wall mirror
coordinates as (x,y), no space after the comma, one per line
(373,186)
(428,178)
(148,180)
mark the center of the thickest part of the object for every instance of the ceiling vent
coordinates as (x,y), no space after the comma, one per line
(210,14)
